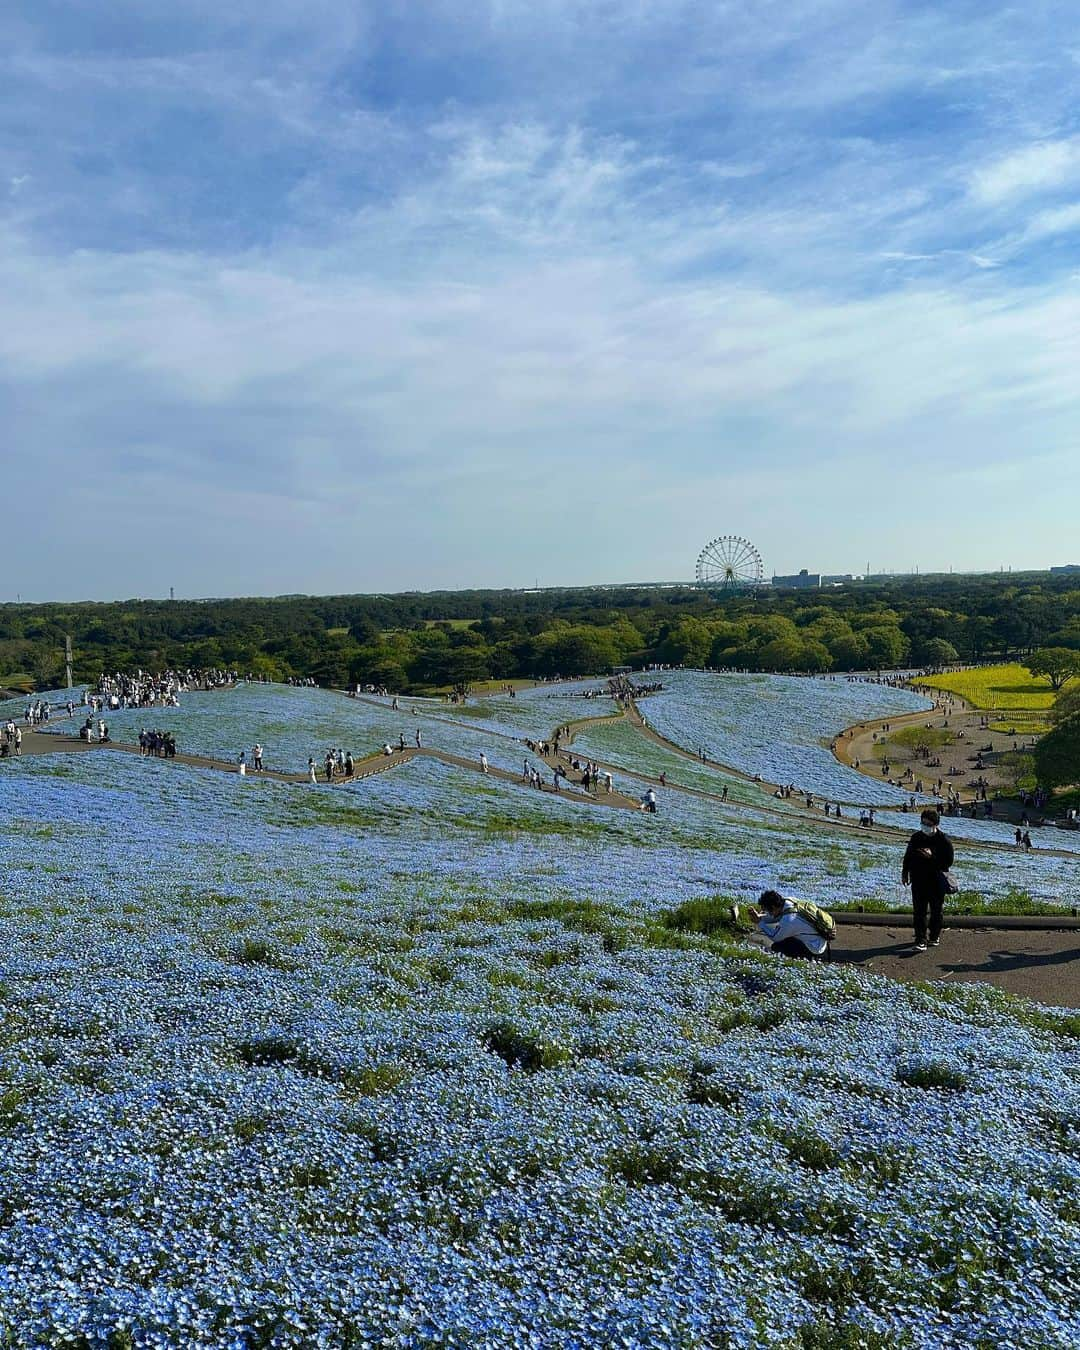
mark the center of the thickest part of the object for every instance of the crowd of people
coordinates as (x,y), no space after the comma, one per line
(337,763)
(142,689)
(38,712)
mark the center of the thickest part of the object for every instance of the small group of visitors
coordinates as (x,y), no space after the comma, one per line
(160,744)
(256,761)
(336,764)
(11,744)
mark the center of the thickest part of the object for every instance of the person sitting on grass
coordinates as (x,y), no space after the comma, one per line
(787,930)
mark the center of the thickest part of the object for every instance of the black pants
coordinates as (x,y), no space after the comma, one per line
(928,902)
(792,946)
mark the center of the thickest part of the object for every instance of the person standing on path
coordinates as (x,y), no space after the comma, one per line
(243,764)
(312,776)
(927,860)
(256,755)
(419,739)
(483,762)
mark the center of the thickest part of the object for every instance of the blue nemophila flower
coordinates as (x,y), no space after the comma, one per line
(410,1072)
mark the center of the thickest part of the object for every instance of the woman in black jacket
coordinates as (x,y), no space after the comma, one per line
(927,860)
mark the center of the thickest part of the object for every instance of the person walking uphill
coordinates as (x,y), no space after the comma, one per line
(927,860)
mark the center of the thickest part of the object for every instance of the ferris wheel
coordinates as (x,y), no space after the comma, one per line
(730,562)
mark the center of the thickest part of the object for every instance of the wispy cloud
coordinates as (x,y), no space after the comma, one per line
(527,272)
(1033,169)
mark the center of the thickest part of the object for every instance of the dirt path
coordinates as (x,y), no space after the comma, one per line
(858,748)
(46,743)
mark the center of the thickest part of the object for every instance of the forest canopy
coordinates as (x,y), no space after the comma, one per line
(418,641)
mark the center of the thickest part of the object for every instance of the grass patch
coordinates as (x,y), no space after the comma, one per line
(258,952)
(708,915)
(645,1165)
(932,1076)
(374,1079)
(1013,904)
(525,1050)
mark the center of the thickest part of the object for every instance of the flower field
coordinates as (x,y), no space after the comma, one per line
(778,727)
(294,723)
(427,1061)
(1010,686)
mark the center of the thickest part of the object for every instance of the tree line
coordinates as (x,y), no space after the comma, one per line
(416,641)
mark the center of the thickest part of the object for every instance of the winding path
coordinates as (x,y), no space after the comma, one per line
(1039,964)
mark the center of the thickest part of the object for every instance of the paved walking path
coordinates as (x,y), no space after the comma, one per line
(1039,964)
(46,743)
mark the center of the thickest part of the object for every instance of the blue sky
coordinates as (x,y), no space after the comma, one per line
(308,295)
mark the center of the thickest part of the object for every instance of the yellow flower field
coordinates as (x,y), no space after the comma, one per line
(1005,686)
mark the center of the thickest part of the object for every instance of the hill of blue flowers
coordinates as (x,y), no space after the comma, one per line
(425,1062)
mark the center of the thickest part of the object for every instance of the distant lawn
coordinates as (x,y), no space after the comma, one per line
(19,681)
(1008,686)
(1018,722)
(477,689)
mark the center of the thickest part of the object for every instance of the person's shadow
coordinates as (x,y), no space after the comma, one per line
(1002,961)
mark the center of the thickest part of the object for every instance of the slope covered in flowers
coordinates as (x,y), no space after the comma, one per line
(418,1062)
(778,726)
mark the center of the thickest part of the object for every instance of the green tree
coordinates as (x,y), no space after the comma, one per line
(1019,769)
(937,652)
(1067,704)
(888,647)
(45,667)
(688,643)
(1057,755)
(814,656)
(850,652)
(1059,665)
(782,653)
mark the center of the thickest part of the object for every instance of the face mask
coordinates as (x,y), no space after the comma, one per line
(928,829)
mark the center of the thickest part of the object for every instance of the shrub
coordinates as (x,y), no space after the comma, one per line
(932,1075)
(708,915)
(524,1050)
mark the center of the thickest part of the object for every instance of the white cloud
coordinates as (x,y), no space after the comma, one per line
(1057,220)
(1035,168)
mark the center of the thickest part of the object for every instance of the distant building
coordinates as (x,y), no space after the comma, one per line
(1069,567)
(803,581)
(837,579)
